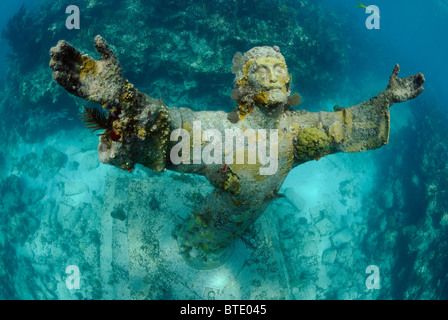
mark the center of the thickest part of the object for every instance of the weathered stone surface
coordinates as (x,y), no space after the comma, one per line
(295,199)
(341,237)
(329,256)
(324,227)
(72,188)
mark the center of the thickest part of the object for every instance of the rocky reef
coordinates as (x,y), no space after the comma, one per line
(407,219)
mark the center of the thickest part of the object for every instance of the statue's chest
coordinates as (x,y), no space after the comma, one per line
(272,154)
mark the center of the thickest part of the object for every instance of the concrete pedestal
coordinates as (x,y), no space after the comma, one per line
(140,257)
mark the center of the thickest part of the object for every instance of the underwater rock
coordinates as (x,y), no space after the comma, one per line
(329,256)
(317,213)
(89,161)
(73,165)
(341,237)
(12,192)
(56,238)
(10,201)
(68,216)
(345,255)
(306,241)
(284,214)
(295,199)
(444,220)
(324,227)
(118,213)
(11,183)
(31,196)
(347,190)
(309,248)
(72,188)
(20,226)
(390,239)
(306,291)
(388,199)
(52,157)
(51,162)
(27,164)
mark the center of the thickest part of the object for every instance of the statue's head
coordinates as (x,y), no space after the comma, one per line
(261,78)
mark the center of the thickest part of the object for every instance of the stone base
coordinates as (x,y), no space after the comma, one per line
(197,259)
(140,257)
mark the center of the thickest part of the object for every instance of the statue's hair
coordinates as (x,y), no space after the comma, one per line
(257,52)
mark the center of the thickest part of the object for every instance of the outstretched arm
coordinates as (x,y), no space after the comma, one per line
(139,125)
(358,128)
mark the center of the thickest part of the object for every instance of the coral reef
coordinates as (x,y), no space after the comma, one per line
(407,233)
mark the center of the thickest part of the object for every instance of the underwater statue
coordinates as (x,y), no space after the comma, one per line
(142,130)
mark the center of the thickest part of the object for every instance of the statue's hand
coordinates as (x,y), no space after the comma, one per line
(97,81)
(404,89)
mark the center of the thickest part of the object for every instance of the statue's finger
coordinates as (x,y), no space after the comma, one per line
(63,79)
(60,77)
(416,82)
(420,90)
(419,79)
(64,51)
(396,71)
(103,48)
(58,65)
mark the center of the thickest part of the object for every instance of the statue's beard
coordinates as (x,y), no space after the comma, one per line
(277,96)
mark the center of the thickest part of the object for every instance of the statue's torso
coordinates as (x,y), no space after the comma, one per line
(253,182)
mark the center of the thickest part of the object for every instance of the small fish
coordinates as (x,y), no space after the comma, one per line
(361,5)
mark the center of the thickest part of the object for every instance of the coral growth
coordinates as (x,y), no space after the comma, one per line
(311,143)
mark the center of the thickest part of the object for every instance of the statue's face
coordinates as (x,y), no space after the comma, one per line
(271,75)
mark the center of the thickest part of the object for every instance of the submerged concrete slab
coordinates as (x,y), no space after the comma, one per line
(140,257)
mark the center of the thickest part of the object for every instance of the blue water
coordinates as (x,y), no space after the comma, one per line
(8,9)
(394,200)
(411,33)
